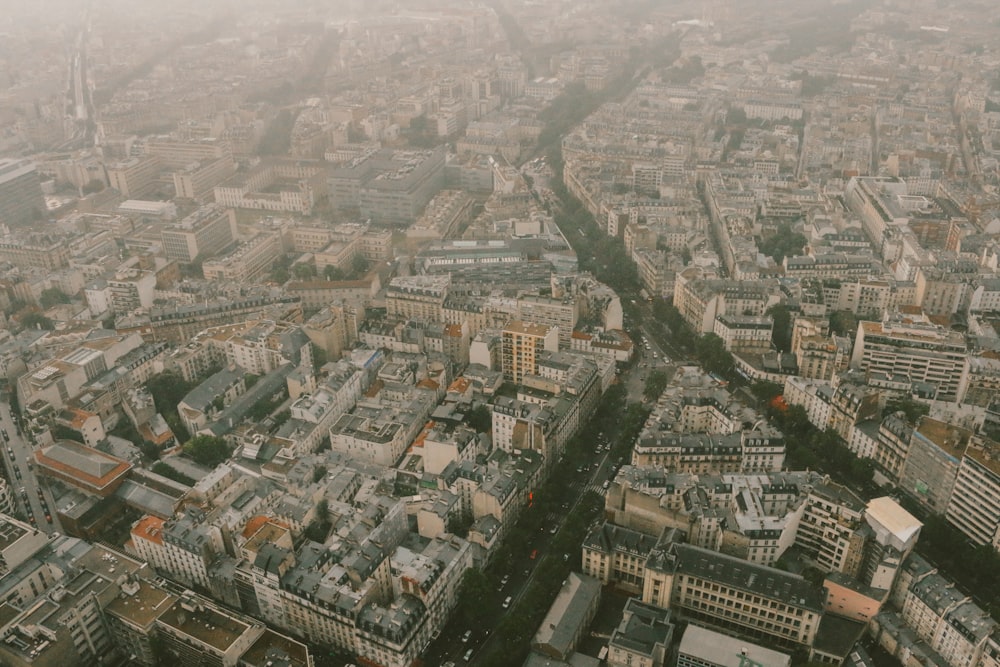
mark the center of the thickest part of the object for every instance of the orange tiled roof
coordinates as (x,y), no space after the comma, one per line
(149,528)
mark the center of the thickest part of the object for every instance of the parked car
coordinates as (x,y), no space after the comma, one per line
(506,602)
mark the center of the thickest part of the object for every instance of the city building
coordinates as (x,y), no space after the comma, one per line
(21,200)
(135,177)
(701,647)
(910,346)
(204,233)
(248,262)
(521,346)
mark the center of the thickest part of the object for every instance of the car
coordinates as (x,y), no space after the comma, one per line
(465,637)
(606,485)
(10,450)
(534,554)
(506,578)
(506,602)
(553,530)
(48,517)
(17,473)
(468,655)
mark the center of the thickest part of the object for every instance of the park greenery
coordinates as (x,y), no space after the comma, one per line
(164,470)
(207,450)
(784,243)
(168,389)
(655,384)
(35,320)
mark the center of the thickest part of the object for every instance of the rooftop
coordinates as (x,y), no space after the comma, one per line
(737,573)
(90,466)
(144,606)
(715,648)
(204,624)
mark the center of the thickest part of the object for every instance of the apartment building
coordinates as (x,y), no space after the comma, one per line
(642,637)
(182,547)
(35,251)
(522,344)
(974,506)
(131,289)
(932,462)
(614,554)
(417,297)
(178,324)
(744,335)
(910,346)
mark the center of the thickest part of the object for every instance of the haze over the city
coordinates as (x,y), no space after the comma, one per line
(504,333)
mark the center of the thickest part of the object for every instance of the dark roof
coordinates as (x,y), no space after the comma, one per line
(769,582)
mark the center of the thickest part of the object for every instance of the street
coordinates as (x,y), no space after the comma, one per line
(35,501)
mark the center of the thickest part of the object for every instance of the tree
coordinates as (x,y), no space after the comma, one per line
(319,472)
(359,266)
(911,409)
(161,468)
(92,186)
(655,384)
(784,243)
(480,418)
(52,296)
(712,353)
(304,271)
(781,334)
(331,272)
(37,321)
(168,389)
(843,323)
(459,524)
(60,432)
(473,591)
(277,138)
(207,450)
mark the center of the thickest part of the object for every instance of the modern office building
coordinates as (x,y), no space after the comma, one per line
(21,200)
(198,179)
(135,177)
(733,594)
(389,186)
(247,262)
(202,234)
